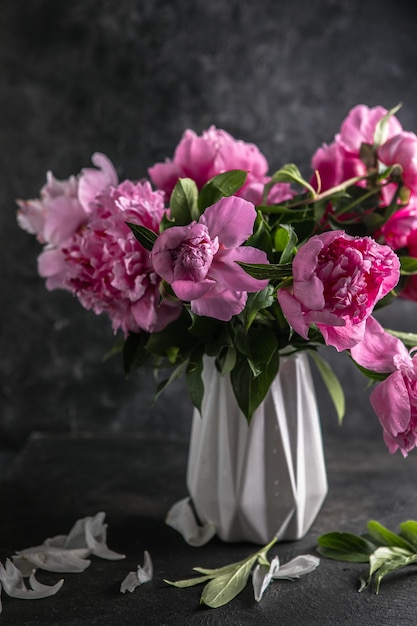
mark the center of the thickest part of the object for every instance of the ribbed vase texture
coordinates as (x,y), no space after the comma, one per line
(263,479)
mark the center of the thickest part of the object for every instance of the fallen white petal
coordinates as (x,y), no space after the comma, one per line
(52,560)
(67,553)
(181,517)
(1,606)
(96,538)
(12,581)
(262,576)
(303,564)
(142,575)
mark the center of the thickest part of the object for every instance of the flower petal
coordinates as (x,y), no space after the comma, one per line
(94,181)
(262,576)
(142,575)
(52,561)
(220,304)
(181,517)
(378,348)
(12,580)
(231,220)
(300,565)
(227,272)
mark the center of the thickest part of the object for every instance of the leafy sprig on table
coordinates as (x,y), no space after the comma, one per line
(223,584)
(385,550)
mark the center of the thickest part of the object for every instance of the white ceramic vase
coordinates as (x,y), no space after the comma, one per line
(268,478)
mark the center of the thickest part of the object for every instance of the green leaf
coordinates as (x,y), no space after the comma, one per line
(226,360)
(193,377)
(248,389)
(188,582)
(226,569)
(332,383)
(382,127)
(267,270)
(409,532)
(256,301)
(383,561)
(225,184)
(184,202)
(285,240)
(145,236)
(222,589)
(261,237)
(391,566)
(345,547)
(408,265)
(290,173)
(386,537)
(177,372)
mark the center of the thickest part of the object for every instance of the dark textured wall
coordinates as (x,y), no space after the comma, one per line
(126,77)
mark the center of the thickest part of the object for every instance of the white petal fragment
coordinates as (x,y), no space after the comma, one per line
(262,576)
(13,584)
(67,553)
(1,606)
(181,517)
(142,575)
(303,564)
(96,538)
(52,560)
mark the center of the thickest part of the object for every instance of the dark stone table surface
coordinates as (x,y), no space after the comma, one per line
(57,479)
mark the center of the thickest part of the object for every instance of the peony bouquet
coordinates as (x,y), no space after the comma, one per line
(212,255)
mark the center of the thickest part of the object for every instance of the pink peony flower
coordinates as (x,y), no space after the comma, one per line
(199,260)
(337,280)
(105,266)
(394,400)
(340,160)
(63,206)
(399,227)
(215,152)
(402,150)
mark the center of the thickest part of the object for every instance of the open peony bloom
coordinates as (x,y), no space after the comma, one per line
(199,260)
(215,152)
(338,279)
(394,400)
(107,269)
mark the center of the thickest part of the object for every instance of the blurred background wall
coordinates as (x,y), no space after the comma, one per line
(127,77)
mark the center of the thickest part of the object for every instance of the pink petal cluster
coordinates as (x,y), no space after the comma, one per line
(340,160)
(394,400)
(199,260)
(64,205)
(337,280)
(212,153)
